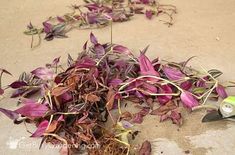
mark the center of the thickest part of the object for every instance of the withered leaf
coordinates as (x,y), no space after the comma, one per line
(164,109)
(145,148)
(91,98)
(64,150)
(126,116)
(110,99)
(57,91)
(52,127)
(84,137)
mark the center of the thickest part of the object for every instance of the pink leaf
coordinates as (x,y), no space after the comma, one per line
(43,73)
(32,110)
(164,89)
(121,50)
(149,88)
(41,129)
(61,118)
(60,19)
(173,73)
(146,67)
(115,82)
(221,91)
(188,100)
(149,14)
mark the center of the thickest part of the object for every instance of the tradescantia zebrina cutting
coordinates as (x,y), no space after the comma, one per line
(73,103)
(98,14)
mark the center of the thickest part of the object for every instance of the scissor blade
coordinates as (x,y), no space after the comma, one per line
(212,116)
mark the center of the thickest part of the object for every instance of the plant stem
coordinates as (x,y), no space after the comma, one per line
(1,79)
(149,76)
(204,107)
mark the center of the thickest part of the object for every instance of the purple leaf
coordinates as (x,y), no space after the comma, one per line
(56,61)
(26,92)
(11,114)
(188,100)
(221,91)
(149,14)
(92,18)
(146,67)
(43,73)
(28,101)
(121,50)
(202,82)
(18,92)
(85,62)
(120,64)
(1,91)
(145,1)
(99,50)
(47,27)
(85,46)
(126,124)
(41,129)
(93,39)
(5,71)
(30,26)
(70,61)
(186,85)
(173,73)
(18,84)
(166,89)
(92,6)
(139,94)
(32,110)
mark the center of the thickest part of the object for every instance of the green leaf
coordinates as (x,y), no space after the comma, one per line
(230,99)
(199,90)
(215,73)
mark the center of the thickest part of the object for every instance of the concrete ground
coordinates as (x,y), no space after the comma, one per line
(203,28)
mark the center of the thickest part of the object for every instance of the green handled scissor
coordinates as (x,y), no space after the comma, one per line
(226,111)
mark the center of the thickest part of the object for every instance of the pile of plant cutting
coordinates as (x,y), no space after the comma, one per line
(72,105)
(98,14)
